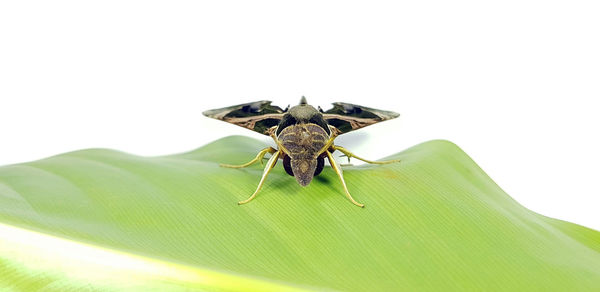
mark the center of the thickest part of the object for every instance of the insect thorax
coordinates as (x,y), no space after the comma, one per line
(303,144)
(302,114)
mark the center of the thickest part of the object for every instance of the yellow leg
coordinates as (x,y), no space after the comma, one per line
(339,173)
(350,154)
(268,168)
(258,157)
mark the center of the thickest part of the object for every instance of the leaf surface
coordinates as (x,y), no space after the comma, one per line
(435,221)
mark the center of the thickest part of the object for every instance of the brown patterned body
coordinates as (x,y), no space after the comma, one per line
(304,135)
(303,144)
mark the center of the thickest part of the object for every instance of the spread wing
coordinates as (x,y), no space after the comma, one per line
(348,117)
(257,116)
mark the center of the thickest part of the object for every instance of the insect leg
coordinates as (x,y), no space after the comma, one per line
(338,170)
(258,157)
(344,155)
(268,168)
(350,154)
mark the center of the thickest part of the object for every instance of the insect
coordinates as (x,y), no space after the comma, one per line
(303,134)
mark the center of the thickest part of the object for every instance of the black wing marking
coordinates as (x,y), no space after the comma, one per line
(348,117)
(259,116)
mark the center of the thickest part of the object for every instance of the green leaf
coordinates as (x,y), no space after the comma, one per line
(106,220)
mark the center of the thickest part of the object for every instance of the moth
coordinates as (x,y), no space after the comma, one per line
(303,134)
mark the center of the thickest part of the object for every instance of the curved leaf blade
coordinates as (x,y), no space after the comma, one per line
(435,221)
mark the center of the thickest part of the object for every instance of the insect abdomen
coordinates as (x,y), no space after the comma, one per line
(303,140)
(288,167)
(303,143)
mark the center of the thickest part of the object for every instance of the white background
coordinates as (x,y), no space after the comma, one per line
(514,83)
